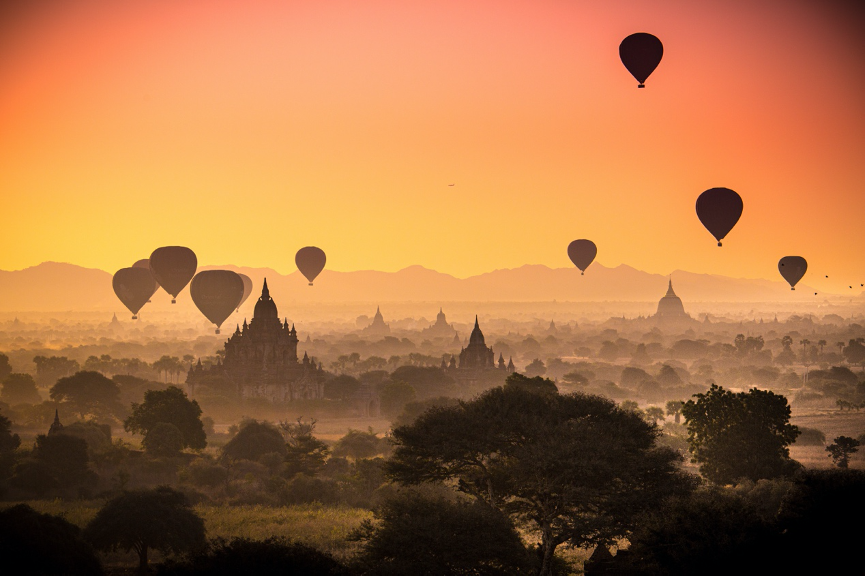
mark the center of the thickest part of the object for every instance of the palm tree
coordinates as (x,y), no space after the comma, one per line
(821,344)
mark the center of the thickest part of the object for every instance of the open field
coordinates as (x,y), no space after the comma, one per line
(832,423)
(324,528)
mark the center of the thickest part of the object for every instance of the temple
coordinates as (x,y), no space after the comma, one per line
(477,355)
(670,306)
(377,328)
(261,359)
(440,329)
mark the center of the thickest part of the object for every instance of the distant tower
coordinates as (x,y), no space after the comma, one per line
(670,305)
(56,426)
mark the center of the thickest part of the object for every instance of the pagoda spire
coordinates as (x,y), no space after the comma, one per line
(266,294)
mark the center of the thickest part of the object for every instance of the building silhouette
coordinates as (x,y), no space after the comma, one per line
(440,329)
(261,359)
(671,306)
(378,328)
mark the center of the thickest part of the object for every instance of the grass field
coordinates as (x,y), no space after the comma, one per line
(324,528)
(832,423)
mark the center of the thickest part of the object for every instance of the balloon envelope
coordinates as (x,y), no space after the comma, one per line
(145,264)
(133,286)
(217,293)
(641,54)
(310,261)
(173,267)
(792,269)
(582,252)
(719,209)
(248,289)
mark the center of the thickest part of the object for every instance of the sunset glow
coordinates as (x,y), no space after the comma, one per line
(248,130)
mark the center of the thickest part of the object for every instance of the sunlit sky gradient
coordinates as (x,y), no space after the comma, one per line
(246,130)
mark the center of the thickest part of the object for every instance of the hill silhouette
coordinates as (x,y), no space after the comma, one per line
(53,286)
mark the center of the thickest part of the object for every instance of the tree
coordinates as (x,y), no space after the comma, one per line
(669,377)
(360,445)
(9,441)
(535,369)
(5,367)
(49,369)
(305,454)
(735,435)
(141,520)
(655,414)
(418,534)
(20,389)
(393,396)
(341,387)
(169,406)
(66,455)
(575,379)
(545,459)
(38,544)
(854,351)
(426,381)
(240,556)
(842,449)
(674,408)
(163,440)
(412,410)
(253,440)
(88,393)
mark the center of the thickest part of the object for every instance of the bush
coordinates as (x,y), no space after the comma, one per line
(163,440)
(33,543)
(811,437)
(253,440)
(273,556)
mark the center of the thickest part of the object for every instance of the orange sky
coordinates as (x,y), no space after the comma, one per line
(246,130)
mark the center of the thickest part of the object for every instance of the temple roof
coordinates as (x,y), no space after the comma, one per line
(265,307)
(477,337)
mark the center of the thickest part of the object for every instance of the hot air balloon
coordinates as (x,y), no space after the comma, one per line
(145,264)
(217,293)
(792,268)
(582,252)
(133,286)
(719,209)
(641,53)
(173,267)
(248,289)
(310,261)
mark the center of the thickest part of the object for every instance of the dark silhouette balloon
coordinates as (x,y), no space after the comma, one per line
(310,261)
(641,54)
(792,269)
(133,286)
(145,264)
(582,252)
(217,293)
(173,267)
(719,209)
(248,289)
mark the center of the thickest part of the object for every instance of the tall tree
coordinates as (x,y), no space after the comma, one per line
(546,459)
(168,406)
(18,389)
(736,435)
(160,518)
(5,367)
(88,393)
(842,449)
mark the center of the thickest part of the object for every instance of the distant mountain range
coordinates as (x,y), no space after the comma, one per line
(53,286)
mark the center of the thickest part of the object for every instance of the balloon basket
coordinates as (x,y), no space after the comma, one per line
(173,301)
(311,284)
(217,331)
(581,273)
(720,243)
(641,86)
(135,318)
(792,288)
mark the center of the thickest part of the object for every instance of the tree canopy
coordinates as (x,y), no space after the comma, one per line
(418,534)
(20,388)
(737,435)
(34,543)
(168,406)
(160,518)
(88,393)
(548,460)
(253,440)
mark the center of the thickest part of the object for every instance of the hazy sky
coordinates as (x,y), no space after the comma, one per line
(246,130)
